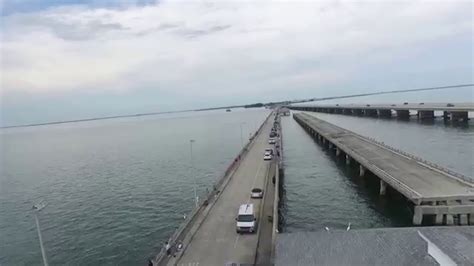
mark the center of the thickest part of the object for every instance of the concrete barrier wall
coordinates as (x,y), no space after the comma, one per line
(179,235)
(276,200)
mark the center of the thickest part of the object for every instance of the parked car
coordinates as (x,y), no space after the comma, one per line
(269,151)
(246,221)
(422,103)
(450,105)
(267,157)
(257,193)
(271,141)
(405,103)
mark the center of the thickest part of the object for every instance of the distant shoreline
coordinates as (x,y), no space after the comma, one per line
(94,119)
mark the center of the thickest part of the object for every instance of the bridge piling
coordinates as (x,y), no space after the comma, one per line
(434,191)
(383,187)
(361,170)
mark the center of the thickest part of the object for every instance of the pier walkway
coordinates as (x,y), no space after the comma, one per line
(433,190)
(213,239)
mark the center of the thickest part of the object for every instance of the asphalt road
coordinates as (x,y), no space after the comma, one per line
(216,242)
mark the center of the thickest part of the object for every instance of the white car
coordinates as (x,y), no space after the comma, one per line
(257,193)
(271,141)
(267,157)
(246,220)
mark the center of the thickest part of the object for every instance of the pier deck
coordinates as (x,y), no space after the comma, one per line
(432,190)
(215,241)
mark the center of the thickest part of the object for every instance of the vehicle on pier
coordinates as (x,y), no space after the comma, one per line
(271,141)
(246,221)
(257,193)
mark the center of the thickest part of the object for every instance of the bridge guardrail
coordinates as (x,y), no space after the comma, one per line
(178,234)
(419,159)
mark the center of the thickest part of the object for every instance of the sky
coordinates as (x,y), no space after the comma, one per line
(74,59)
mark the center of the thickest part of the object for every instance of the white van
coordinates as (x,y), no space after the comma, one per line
(246,221)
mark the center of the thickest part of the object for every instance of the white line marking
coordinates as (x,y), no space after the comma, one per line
(442,258)
(248,201)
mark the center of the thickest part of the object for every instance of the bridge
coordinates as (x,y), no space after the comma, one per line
(208,236)
(432,189)
(458,112)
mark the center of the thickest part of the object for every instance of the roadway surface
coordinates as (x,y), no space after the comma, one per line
(430,246)
(216,242)
(424,182)
(399,106)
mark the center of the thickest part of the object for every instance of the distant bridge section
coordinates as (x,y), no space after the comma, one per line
(433,190)
(458,112)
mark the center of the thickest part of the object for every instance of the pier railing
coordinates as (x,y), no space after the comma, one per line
(466,179)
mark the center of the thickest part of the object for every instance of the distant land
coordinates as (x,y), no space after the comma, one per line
(253,105)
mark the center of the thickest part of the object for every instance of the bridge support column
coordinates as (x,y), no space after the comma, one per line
(361,170)
(357,112)
(449,219)
(330,145)
(348,159)
(425,114)
(370,112)
(338,151)
(384,113)
(459,116)
(418,215)
(463,219)
(471,218)
(383,187)
(405,114)
(439,219)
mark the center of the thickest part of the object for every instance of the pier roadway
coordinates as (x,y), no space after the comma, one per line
(216,241)
(433,190)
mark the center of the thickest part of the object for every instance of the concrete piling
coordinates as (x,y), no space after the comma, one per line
(348,159)
(463,219)
(417,215)
(383,187)
(405,114)
(422,114)
(361,170)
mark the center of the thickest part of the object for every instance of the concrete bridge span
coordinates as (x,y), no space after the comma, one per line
(432,189)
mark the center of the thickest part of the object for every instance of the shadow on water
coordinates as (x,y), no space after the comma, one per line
(321,190)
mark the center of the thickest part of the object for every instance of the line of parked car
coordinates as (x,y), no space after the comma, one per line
(246,219)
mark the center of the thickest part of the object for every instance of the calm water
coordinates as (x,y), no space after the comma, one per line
(321,191)
(116,189)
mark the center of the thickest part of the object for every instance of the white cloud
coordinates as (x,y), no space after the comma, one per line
(215,48)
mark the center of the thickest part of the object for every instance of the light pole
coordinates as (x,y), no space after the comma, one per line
(192,169)
(241,135)
(37,208)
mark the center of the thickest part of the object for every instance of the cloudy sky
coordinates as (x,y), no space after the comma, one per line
(73,59)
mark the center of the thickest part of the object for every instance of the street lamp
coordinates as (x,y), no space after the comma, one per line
(192,169)
(37,208)
(241,135)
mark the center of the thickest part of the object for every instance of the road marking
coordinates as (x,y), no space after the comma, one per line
(250,197)
(442,258)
